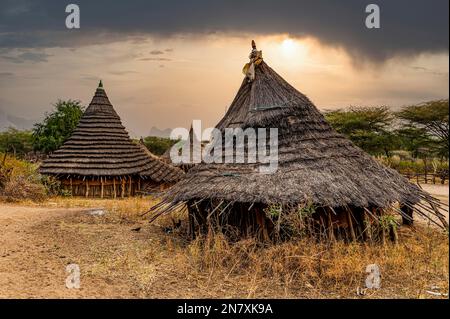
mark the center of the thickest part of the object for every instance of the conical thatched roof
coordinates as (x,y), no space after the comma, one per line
(160,170)
(316,164)
(100,146)
(194,144)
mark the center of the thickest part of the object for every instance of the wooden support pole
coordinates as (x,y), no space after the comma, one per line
(350,225)
(123,188)
(330,228)
(87,187)
(382,226)
(322,227)
(408,211)
(114,187)
(368,227)
(129,188)
(139,183)
(71,187)
(101,191)
(393,233)
(439,215)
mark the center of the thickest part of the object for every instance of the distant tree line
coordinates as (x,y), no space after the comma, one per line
(46,136)
(158,145)
(422,130)
(57,125)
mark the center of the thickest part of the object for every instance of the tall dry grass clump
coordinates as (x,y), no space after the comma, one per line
(159,260)
(19,180)
(128,208)
(321,270)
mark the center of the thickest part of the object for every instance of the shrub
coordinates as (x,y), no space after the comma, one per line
(57,126)
(16,142)
(20,180)
(158,145)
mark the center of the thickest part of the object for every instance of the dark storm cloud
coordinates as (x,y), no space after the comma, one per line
(407,26)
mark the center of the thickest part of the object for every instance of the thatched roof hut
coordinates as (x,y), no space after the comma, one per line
(100,159)
(316,167)
(194,144)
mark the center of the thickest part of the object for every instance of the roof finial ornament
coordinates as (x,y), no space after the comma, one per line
(100,85)
(255,59)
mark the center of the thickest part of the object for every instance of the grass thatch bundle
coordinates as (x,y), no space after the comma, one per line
(101,152)
(316,166)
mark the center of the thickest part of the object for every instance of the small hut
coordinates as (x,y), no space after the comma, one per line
(195,145)
(100,160)
(321,174)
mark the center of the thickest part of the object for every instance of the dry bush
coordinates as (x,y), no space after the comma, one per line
(22,188)
(20,181)
(126,209)
(307,268)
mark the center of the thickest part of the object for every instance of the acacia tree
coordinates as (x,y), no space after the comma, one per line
(57,126)
(16,142)
(412,139)
(429,123)
(158,145)
(368,127)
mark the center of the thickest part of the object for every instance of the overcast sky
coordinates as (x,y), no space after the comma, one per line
(165,63)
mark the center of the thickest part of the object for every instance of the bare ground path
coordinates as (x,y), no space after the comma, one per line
(440,192)
(27,265)
(116,260)
(34,255)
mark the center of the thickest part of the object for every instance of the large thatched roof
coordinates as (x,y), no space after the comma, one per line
(316,164)
(100,146)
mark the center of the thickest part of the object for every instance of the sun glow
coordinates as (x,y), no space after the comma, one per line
(292,49)
(289,47)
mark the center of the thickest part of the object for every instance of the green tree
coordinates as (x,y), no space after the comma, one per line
(16,142)
(413,140)
(158,145)
(57,126)
(431,119)
(367,127)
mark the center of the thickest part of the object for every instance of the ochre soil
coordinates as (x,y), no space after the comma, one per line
(117,259)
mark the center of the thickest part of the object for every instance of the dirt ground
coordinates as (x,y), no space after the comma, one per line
(37,242)
(440,192)
(29,263)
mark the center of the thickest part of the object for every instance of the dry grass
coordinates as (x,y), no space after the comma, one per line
(19,180)
(316,270)
(153,263)
(128,208)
